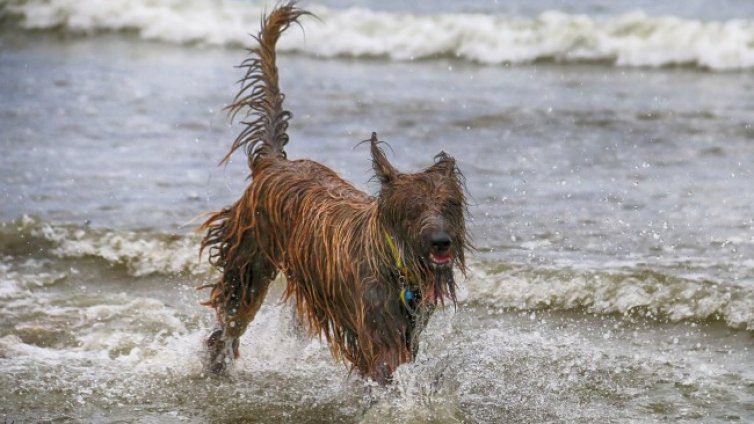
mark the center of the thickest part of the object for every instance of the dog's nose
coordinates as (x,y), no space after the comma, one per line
(440,241)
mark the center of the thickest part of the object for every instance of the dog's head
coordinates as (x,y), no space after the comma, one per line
(426,213)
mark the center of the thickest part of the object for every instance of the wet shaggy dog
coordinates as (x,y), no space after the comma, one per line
(366,272)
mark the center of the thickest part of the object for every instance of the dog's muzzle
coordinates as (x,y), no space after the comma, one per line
(440,244)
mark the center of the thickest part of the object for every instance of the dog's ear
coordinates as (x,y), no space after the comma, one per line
(444,164)
(384,170)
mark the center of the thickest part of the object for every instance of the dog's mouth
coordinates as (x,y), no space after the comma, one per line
(439,284)
(440,259)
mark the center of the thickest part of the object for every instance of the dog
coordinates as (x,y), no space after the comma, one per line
(366,272)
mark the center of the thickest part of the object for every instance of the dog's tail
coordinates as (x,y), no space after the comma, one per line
(265,133)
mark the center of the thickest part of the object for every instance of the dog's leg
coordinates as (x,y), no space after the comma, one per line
(384,336)
(238,301)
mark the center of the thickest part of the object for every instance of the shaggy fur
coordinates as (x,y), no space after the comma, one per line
(348,258)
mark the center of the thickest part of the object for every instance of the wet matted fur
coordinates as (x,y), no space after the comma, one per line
(366,272)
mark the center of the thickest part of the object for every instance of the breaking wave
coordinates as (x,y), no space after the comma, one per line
(634,39)
(633,291)
(141,253)
(622,289)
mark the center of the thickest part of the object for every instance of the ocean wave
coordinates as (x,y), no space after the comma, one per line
(657,293)
(629,291)
(15,283)
(633,39)
(141,253)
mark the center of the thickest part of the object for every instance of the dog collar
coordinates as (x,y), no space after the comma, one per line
(396,254)
(409,296)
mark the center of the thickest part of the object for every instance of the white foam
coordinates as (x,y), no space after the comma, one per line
(606,292)
(15,283)
(141,253)
(634,39)
(142,256)
(120,330)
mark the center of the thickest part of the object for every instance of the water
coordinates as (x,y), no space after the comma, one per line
(609,170)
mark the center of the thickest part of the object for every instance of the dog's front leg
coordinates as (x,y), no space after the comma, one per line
(383,338)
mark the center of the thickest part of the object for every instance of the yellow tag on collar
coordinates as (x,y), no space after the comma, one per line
(394,251)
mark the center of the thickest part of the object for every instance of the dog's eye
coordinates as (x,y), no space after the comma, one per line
(413,213)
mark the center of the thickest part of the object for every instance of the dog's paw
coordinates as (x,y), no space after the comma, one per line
(219,352)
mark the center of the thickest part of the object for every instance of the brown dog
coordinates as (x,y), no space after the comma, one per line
(366,272)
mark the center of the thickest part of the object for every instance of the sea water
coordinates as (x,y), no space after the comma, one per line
(607,149)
